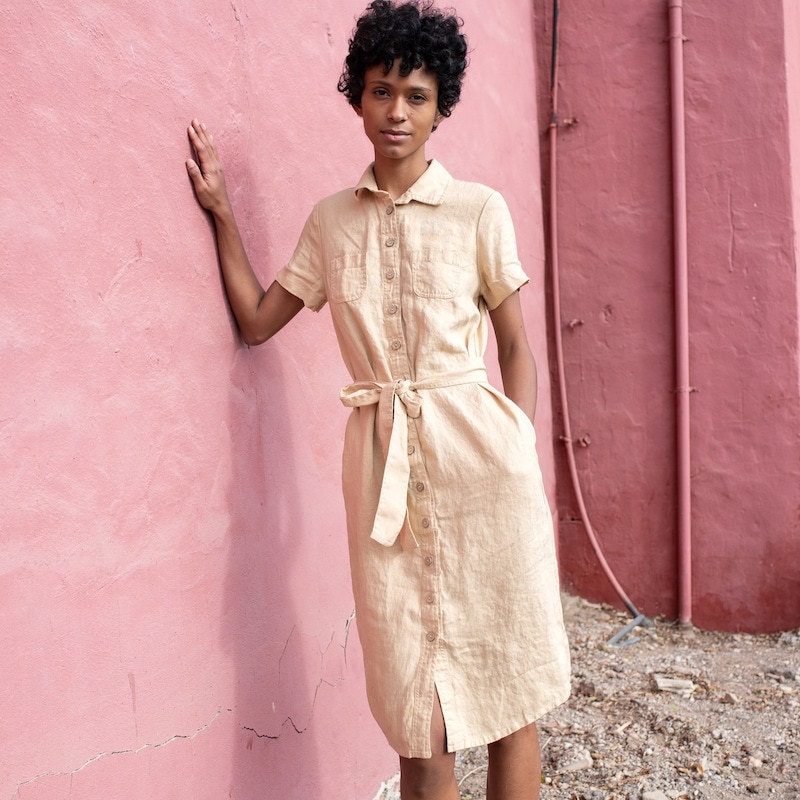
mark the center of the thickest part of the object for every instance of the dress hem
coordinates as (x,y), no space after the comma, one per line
(482,739)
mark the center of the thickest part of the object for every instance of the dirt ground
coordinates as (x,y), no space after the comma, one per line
(676,714)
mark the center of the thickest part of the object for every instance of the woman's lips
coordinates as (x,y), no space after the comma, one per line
(395,136)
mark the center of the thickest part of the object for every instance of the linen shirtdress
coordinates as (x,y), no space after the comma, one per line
(450,535)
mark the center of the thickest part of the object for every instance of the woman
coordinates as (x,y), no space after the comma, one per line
(450,535)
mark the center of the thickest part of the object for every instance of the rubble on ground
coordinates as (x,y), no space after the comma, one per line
(670,714)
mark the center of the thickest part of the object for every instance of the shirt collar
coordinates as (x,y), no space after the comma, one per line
(429,187)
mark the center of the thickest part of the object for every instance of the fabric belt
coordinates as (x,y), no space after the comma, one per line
(393,503)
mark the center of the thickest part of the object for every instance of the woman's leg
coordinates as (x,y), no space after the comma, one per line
(515,769)
(431,778)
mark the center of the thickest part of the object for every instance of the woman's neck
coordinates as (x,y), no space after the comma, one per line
(397,177)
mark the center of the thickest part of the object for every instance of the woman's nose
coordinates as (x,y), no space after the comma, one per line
(397,110)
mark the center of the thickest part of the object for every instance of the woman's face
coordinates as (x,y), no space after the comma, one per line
(399,113)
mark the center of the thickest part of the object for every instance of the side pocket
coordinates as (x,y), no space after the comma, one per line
(509,407)
(347,278)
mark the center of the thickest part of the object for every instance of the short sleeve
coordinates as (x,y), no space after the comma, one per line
(304,275)
(498,262)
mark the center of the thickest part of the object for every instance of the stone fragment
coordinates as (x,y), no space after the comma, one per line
(781,674)
(581,760)
(654,795)
(681,686)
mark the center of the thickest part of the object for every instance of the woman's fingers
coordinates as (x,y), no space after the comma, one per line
(198,138)
(203,143)
(206,170)
(193,170)
(198,183)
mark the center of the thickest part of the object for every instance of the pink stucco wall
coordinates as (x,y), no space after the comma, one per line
(174,586)
(615,218)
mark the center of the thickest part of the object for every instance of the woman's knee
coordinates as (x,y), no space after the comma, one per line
(526,738)
(427,777)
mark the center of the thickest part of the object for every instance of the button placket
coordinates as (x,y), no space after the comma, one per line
(420,509)
(429,608)
(390,271)
(419,500)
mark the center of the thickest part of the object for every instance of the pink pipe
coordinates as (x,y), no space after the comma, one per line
(683,390)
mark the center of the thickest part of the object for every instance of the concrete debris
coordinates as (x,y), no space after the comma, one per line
(681,686)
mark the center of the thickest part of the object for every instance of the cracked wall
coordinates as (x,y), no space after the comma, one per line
(175,592)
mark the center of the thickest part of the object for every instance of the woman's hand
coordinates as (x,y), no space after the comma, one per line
(259,314)
(208,178)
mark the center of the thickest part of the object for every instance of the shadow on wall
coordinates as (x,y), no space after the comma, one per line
(273,754)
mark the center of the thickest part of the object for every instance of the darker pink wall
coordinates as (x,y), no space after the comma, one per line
(174,585)
(614,187)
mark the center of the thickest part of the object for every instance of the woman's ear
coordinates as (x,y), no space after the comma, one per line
(436,120)
(357,109)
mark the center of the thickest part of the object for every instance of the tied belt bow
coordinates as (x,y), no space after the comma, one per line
(397,401)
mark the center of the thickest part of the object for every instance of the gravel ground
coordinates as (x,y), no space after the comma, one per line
(677,714)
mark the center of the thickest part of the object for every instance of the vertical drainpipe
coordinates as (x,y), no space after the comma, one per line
(681,257)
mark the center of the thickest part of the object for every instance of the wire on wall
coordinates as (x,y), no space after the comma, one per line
(566,438)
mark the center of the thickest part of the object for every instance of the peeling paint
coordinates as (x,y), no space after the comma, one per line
(131,751)
(390,790)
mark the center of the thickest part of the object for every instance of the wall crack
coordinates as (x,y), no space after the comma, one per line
(132,751)
(347,624)
(290,720)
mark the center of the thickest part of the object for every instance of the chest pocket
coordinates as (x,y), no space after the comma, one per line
(347,278)
(437,275)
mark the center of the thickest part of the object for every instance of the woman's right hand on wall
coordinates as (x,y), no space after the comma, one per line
(207,176)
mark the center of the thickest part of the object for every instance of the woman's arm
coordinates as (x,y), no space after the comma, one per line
(259,314)
(517,366)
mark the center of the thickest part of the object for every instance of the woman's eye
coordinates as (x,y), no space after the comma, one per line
(418,98)
(381,93)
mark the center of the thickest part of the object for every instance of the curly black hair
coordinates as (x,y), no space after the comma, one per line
(414,32)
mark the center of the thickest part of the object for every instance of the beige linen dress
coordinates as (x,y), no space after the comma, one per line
(450,535)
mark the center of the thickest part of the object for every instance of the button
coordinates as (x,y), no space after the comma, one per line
(396,344)
(389,274)
(390,209)
(430,599)
(390,242)
(392,309)
(428,561)
(411,449)
(430,636)
(426,523)
(420,487)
